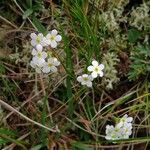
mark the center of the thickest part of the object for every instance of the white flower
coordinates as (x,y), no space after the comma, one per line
(112,133)
(39,56)
(50,65)
(85,79)
(126,131)
(96,69)
(122,130)
(34,65)
(38,61)
(38,39)
(109,130)
(124,120)
(53,38)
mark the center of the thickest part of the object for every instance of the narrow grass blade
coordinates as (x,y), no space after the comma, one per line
(69,67)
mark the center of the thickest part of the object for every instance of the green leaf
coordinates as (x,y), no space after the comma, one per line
(39,25)
(7,132)
(2,141)
(29,3)
(38,6)
(133,35)
(27,13)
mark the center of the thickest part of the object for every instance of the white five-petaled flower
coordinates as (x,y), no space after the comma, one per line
(85,79)
(96,69)
(37,39)
(50,65)
(53,38)
(39,56)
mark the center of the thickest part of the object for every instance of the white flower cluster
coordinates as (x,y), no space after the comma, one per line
(122,130)
(42,61)
(95,69)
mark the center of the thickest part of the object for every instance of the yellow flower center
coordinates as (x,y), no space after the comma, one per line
(113,136)
(116,129)
(52,38)
(123,120)
(50,65)
(39,55)
(38,40)
(85,79)
(96,69)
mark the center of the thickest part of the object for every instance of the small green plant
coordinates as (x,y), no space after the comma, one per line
(140,65)
(31,7)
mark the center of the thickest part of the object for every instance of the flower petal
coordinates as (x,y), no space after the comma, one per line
(89,84)
(50,60)
(83,83)
(54,32)
(101,66)
(39,47)
(33,42)
(90,78)
(129,119)
(56,62)
(53,69)
(94,74)
(58,38)
(45,42)
(79,79)
(46,69)
(84,75)
(101,74)
(34,52)
(48,36)
(44,55)
(90,68)
(40,62)
(94,63)
(54,44)
(32,64)
(33,36)
(40,35)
